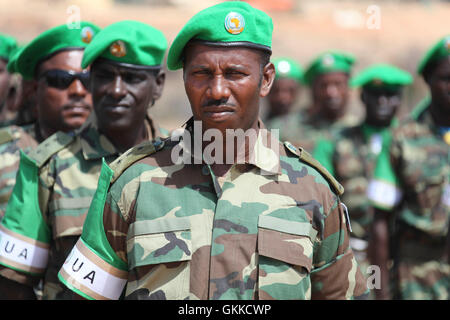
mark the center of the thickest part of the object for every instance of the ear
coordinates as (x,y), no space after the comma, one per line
(268,77)
(160,80)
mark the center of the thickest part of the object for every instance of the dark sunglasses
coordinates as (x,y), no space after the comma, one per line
(61,79)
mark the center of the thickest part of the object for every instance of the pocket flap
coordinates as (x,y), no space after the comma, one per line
(295,249)
(161,241)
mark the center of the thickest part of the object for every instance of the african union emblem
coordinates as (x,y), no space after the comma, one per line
(234,23)
(118,49)
(86,34)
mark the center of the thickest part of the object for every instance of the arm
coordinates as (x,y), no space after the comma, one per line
(379,251)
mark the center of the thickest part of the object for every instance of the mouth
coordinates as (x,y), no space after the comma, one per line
(116,108)
(77,109)
(217,112)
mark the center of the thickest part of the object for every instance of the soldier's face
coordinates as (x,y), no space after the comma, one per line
(61,106)
(4,81)
(330,93)
(122,94)
(224,85)
(439,83)
(283,95)
(381,105)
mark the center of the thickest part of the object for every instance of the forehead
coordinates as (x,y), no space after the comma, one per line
(200,54)
(332,77)
(66,60)
(115,67)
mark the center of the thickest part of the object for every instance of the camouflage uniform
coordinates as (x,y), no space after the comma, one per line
(61,188)
(271,228)
(304,130)
(12,140)
(351,158)
(420,199)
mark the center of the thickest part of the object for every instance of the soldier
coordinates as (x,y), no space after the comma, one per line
(48,65)
(351,156)
(268,227)
(285,89)
(7,47)
(327,76)
(411,188)
(57,180)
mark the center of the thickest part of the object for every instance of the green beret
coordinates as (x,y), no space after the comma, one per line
(288,68)
(129,42)
(330,61)
(382,75)
(440,50)
(12,63)
(7,45)
(51,42)
(231,23)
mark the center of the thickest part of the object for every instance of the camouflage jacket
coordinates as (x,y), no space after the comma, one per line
(271,228)
(351,157)
(420,192)
(305,130)
(46,212)
(12,140)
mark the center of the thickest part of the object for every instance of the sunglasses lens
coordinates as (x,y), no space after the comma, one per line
(62,79)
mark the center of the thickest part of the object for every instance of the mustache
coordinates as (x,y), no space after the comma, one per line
(77,104)
(217,103)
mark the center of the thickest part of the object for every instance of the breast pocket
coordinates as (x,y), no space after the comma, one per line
(285,250)
(159,254)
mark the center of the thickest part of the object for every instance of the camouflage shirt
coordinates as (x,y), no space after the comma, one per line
(46,212)
(305,130)
(12,140)
(271,228)
(420,198)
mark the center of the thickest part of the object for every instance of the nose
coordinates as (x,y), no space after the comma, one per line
(332,91)
(118,89)
(76,88)
(218,88)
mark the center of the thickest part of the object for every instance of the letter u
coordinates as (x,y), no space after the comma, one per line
(73,266)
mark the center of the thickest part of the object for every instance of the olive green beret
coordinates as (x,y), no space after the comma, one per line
(440,50)
(330,61)
(382,75)
(128,41)
(288,68)
(231,23)
(7,45)
(52,41)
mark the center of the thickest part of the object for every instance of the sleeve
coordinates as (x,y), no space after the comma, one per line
(24,234)
(336,274)
(383,191)
(95,269)
(323,152)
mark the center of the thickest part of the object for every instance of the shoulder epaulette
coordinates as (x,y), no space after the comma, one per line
(304,156)
(6,136)
(133,155)
(50,146)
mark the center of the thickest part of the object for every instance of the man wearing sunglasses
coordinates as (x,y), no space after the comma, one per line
(57,181)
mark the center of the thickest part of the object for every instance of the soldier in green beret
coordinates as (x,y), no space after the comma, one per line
(267,227)
(327,77)
(352,154)
(286,88)
(410,192)
(7,46)
(56,180)
(53,80)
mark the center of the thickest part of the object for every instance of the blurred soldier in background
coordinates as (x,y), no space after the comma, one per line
(327,77)
(286,88)
(411,193)
(351,155)
(7,47)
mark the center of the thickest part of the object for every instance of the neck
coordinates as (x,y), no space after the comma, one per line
(124,139)
(439,114)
